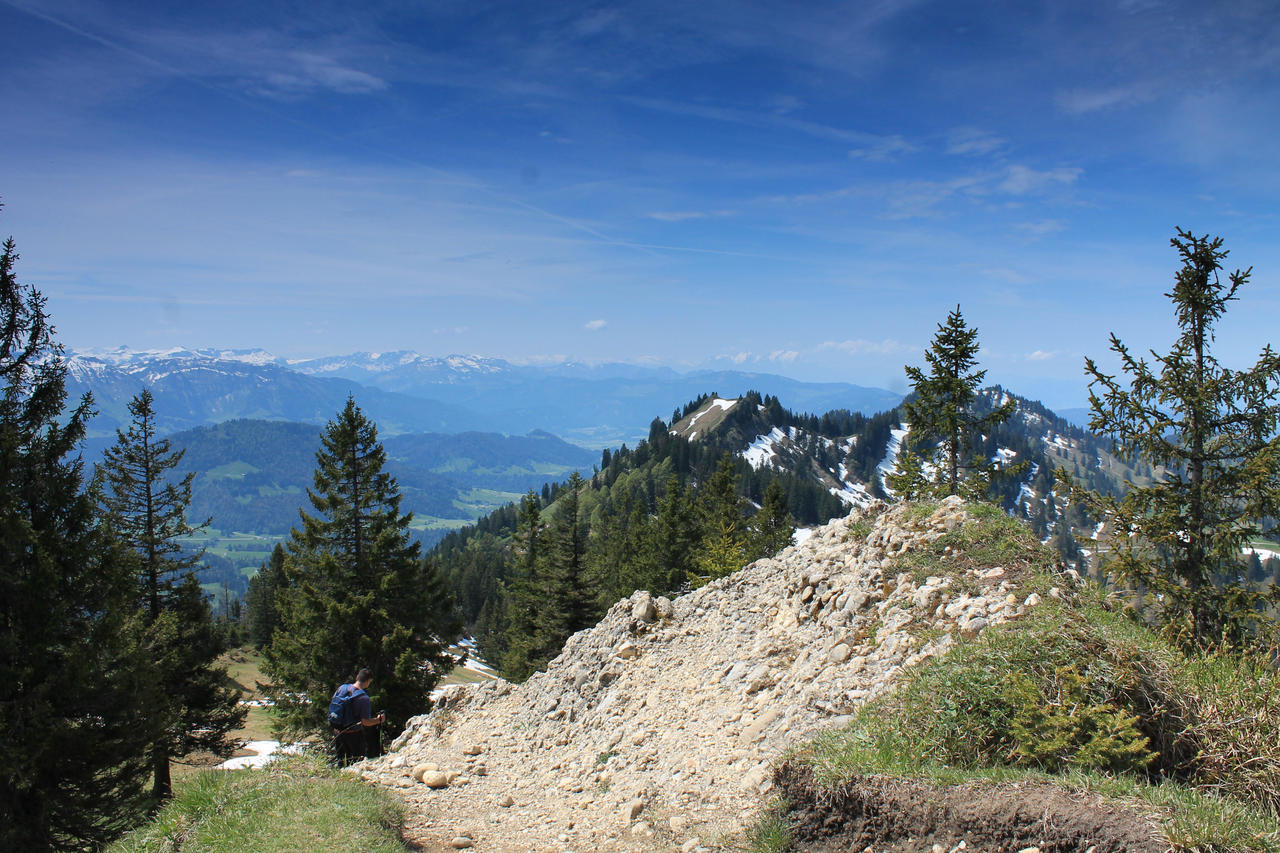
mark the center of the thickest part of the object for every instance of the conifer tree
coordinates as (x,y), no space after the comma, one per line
(357,592)
(617,561)
(75,695)
(723,547)
(772,527)
(526,629)
(942,408)
(908,479)
(148,512)
(570,599)
(260,599)
(1212,431)
(672,539)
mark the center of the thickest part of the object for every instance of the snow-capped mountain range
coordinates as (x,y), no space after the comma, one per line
(592,405)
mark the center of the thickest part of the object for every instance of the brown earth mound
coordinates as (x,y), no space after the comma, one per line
(896,816)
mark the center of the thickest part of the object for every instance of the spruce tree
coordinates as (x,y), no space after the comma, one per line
(616,558)
(772,527)
(148,511)
(1212,433)
(569,600)
(723,540)
(942,409)
(75,698)
(357,592)
(260,599)
(526,628)
(672,539)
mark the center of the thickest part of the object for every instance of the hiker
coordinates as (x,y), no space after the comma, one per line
(356,731)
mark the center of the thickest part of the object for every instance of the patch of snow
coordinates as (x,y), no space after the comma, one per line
(801,535)
(716,403)
(763,450)
(890,460)
(1263,553)
(264,752)
(1004,455)
(853,494)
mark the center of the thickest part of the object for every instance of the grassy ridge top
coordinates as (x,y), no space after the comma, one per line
(296,804)
(1076,694)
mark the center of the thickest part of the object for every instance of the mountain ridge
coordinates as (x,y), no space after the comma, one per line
(591,405)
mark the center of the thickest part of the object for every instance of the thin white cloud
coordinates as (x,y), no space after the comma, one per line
(784,356)
(973,142)
(862,346)
(1083,101)
(299,72)
(882,149)
(1041,355)
(1042,228)
(684,215)
(595,325)
(1007,275)
(848,136)
(1024,180)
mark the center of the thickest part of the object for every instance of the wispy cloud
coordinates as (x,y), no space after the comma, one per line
(1007,275)
(1024,180)
(973,142)
(862,346)
(299,72)
(870,142)
(882,149)
(684,215)
(784,356)
(1041,355)
(1082,101)
(1042,228)
(595,325)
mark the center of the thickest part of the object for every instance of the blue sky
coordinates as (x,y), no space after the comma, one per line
(803,189)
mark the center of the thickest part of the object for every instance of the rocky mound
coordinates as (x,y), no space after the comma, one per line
(658,728)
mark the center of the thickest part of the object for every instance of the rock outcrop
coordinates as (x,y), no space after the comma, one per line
(658,728)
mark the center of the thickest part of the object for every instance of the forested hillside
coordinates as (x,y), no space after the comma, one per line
(646,509)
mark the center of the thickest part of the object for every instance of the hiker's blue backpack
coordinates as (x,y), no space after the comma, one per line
(340,707)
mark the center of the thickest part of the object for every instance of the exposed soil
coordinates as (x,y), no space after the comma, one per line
(896,816)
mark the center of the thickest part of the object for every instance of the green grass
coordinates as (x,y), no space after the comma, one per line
(990,538)
(298,804)
(230,471)
(771,833)
(431,522)
(1192,739)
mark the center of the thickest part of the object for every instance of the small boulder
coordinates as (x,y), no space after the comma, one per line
(461,842)
(421,770)
(643,607)
(632,809)
(435,779)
